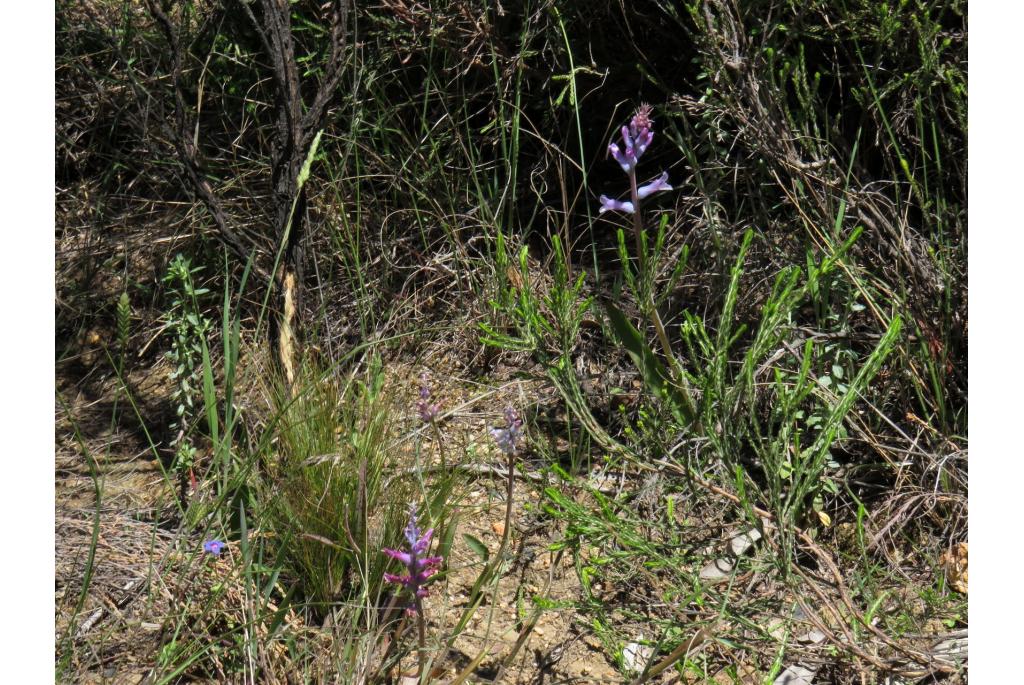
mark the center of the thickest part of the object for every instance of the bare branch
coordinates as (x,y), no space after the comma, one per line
(187,153)
(332,72)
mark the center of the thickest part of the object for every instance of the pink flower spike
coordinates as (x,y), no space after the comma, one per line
(610,205)
(419,568)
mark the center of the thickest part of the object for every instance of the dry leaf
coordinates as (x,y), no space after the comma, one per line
(797,674)
(498,527)
(954,563)
(515,279)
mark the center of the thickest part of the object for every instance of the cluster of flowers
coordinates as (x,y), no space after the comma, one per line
(426,410)
(419,567)
(508,437)
(635,139)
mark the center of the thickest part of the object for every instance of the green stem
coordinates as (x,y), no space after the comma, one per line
(646,296)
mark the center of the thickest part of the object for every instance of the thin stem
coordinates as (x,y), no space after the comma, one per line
(440,443)
(505,534)
(638,228)
(646,296)
(645,293)
(444,469)
(421,623)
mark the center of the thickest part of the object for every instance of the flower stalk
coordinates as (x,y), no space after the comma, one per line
(508,439)
(428,413)
(636,137)
(419,568)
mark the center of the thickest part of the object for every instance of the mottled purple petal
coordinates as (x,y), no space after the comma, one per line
(512,417)
(412,531)
(619,157)
(432,563)
(423,543)
(630,153)
(403,557)
(213,547)
(627,139)
(509,436)
(427,411)
(657,185)
(643,139)
(505,438)
(394,578)
(610,205)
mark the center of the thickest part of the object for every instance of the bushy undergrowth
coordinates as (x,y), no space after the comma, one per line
(772,330)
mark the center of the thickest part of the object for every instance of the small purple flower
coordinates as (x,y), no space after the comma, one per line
(427,411)
(214,547)
(610,205)
(625,162)
(419,568)
(508,438)
(657,185)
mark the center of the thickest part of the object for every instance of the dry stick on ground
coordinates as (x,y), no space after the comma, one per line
(128,594)
(295,128)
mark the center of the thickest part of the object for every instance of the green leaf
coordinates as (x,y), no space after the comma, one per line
(210,396)
(654,373)
(477,546)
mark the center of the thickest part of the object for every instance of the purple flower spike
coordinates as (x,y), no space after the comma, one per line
(426,410)
(610,205)
(508,438)
(658,184)
(214,547)
(419,568)
(636,138)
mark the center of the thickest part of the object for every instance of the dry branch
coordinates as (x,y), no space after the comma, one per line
(295,128)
